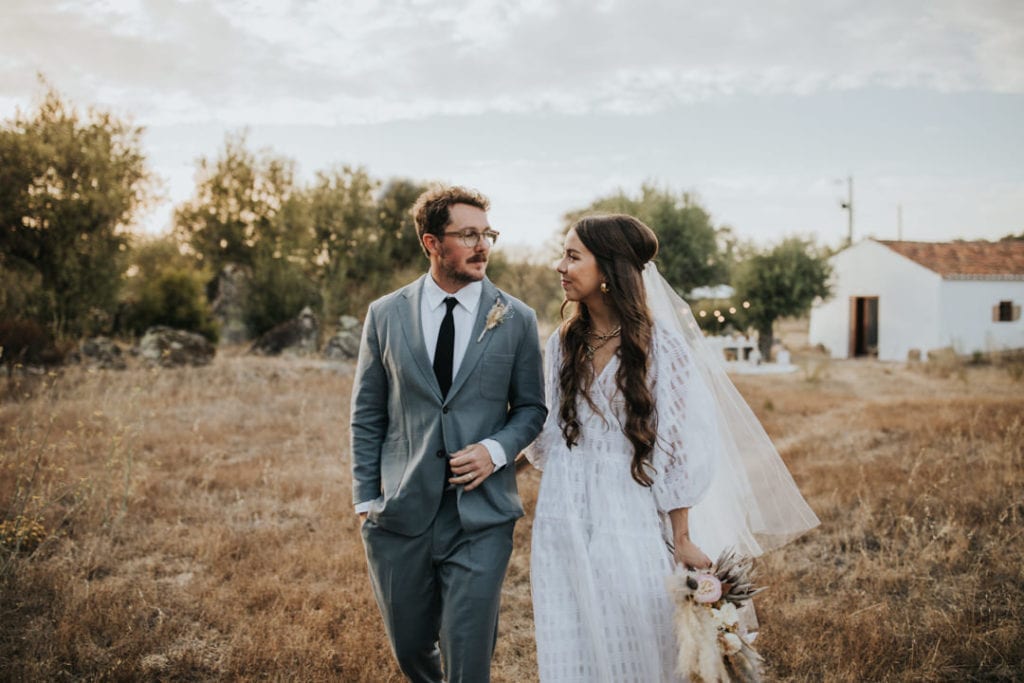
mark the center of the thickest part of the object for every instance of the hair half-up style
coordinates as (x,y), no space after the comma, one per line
(621,245)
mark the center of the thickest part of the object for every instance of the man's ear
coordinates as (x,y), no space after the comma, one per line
(429,243)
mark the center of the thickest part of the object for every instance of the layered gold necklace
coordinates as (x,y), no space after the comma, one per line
(599,340)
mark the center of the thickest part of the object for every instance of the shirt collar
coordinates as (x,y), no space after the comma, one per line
(468,297)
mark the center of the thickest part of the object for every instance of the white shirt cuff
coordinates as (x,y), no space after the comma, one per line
(497,453)
(363,507)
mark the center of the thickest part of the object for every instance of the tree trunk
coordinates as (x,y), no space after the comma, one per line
(765,341)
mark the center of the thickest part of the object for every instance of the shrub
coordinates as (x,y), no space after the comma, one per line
(174,297)
(26,342)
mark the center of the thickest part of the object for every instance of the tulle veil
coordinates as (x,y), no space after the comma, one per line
(753,505)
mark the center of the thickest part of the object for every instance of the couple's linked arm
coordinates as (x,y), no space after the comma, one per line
(526,406)
(536,453)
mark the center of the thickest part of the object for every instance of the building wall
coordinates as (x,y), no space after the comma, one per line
(966,307)
(908,302)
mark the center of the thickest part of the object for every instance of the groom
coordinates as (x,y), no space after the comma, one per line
(447,391)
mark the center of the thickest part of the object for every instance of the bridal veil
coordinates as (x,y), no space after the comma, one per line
(753,504)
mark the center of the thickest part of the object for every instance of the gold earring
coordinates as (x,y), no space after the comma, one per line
(604,287)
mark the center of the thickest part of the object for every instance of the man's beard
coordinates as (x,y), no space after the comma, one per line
(453,273)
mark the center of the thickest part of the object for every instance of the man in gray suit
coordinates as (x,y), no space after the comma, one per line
(448,389)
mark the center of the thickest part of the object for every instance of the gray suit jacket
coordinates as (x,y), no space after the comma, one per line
(401,429)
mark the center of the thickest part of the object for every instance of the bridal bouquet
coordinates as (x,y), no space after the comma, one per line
(714,647)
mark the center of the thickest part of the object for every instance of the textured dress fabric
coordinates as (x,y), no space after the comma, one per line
(600,556)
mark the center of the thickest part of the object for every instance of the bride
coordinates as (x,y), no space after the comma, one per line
(649,457)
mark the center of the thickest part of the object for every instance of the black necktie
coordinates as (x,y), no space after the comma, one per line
(444,352)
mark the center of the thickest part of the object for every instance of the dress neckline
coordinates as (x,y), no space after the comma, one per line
(599,379)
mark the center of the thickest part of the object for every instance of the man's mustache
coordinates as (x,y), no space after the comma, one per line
(477,259)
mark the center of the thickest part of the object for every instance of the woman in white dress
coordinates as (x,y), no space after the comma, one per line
(632,442)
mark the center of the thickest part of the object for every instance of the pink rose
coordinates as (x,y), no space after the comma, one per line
(709,588)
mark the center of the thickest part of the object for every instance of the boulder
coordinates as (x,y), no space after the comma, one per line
(101,352)
(344,345)
(297,336)
(168,347)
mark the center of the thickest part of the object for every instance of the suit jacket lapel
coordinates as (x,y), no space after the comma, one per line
(475,350)
(412,326)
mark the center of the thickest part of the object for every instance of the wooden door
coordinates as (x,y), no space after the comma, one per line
(863,326)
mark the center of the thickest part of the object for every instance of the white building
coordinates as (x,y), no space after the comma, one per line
(890,297)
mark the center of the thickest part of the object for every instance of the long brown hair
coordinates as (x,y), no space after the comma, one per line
(622,245)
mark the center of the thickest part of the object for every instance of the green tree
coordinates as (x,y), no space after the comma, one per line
(280,288)
(284,272)
(237,197)
(395,256)
(363,237)
(164,287)
(70,187)
(346,242)
(174,297)
(248,211)
(782,281)
(688,255)
(399,240)
(21,293)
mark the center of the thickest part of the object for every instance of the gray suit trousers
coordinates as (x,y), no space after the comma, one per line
(442,585)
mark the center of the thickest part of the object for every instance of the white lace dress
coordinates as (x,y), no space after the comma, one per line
(599,557)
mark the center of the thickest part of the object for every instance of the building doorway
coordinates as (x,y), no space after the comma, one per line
(864,326)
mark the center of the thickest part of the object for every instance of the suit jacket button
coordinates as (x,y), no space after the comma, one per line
(445,410)
(440,453)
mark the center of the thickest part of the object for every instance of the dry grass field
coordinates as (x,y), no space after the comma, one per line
(196,524)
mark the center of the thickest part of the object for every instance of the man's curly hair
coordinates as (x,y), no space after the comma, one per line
(431,210)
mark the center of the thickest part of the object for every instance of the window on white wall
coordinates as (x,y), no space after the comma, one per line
(1005,312)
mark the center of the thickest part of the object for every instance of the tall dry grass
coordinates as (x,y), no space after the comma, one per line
(196,525)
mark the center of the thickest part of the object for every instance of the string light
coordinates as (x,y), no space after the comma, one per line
(719,316)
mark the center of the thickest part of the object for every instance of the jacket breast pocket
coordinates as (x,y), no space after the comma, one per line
(495,374)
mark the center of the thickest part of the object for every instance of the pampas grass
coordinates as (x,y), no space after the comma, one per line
(699,655)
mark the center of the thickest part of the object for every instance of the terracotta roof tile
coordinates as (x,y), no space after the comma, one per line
(980,259)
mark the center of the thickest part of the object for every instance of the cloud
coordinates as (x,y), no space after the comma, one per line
(257,61)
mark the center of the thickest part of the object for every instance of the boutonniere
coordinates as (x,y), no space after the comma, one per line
(499,313)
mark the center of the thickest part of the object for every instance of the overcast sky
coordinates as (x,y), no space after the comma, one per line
(760,108)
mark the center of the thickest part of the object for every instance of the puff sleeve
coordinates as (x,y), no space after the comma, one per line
(687,430)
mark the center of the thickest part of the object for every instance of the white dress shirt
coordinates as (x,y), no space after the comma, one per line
(432,310)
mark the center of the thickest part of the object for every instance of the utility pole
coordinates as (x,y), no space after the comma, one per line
(848,206)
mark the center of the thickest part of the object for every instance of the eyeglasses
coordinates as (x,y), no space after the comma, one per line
(470,238)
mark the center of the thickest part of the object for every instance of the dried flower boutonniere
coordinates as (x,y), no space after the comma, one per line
(499,313)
